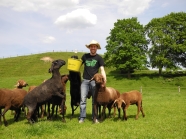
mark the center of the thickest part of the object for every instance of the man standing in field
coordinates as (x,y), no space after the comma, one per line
(92,63)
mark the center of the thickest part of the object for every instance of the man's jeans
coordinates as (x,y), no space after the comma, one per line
(86,86)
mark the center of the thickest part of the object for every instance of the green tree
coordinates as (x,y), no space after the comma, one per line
(167,37)
(126,46)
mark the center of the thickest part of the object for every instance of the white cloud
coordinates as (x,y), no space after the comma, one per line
(132,7)
(35,5)
(80,18)
(48,39)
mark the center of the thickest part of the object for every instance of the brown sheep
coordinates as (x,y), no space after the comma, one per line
(127,99)
(104,96)
(12,99)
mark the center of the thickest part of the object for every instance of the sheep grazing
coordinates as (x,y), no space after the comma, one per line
(56,101)
(12,99)
(127,99)
(44,92)
(47,59)
(75,85)
(104,96)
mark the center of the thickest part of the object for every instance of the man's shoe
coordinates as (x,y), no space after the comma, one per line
(81,121)
(96,121)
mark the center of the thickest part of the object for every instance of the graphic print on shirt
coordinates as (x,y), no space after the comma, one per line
(91,63)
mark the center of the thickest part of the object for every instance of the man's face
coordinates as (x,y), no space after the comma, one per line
(93,48)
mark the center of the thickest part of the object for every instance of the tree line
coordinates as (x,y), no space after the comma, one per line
(160,44)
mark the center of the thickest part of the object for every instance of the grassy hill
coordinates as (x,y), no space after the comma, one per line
(34,71)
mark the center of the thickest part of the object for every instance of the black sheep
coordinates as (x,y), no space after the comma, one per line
(56,101)
(44,92)
(75,84)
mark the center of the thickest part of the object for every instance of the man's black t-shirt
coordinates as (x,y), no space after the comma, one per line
(91,65)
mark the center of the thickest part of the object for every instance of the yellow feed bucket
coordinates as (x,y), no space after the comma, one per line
(74,64)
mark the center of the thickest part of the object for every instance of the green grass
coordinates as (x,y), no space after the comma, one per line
(163,105)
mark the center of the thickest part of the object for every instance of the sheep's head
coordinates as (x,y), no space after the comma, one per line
(99,79)
(21,84)
(119,102)
(56,64)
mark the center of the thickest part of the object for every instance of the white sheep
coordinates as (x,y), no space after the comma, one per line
(127,99)
(47,59)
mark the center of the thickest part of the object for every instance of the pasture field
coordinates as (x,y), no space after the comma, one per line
(163,104)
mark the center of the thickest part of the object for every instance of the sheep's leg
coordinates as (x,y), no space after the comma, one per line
(141,108)
(63,96)
(34,116)
(24,110)
(95,112)
(56,110)
(53,107)
(17,114)
(4,119)
(42,107)
(63,109)
(109,111)
(103,113)
(48,113)
(138,110)
(37,111)
(5,110)
(125,115)
(30,113)
(99,111)
(119,113)
(3,114)
(114,111)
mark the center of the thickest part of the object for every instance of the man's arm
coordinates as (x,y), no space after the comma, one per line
(103,73)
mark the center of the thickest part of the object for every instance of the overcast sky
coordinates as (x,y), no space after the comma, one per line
(37,26)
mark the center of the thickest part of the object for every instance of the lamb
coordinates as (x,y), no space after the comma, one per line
(45,91)
(127,99)
(75,92)
(12,99)
(104,96)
